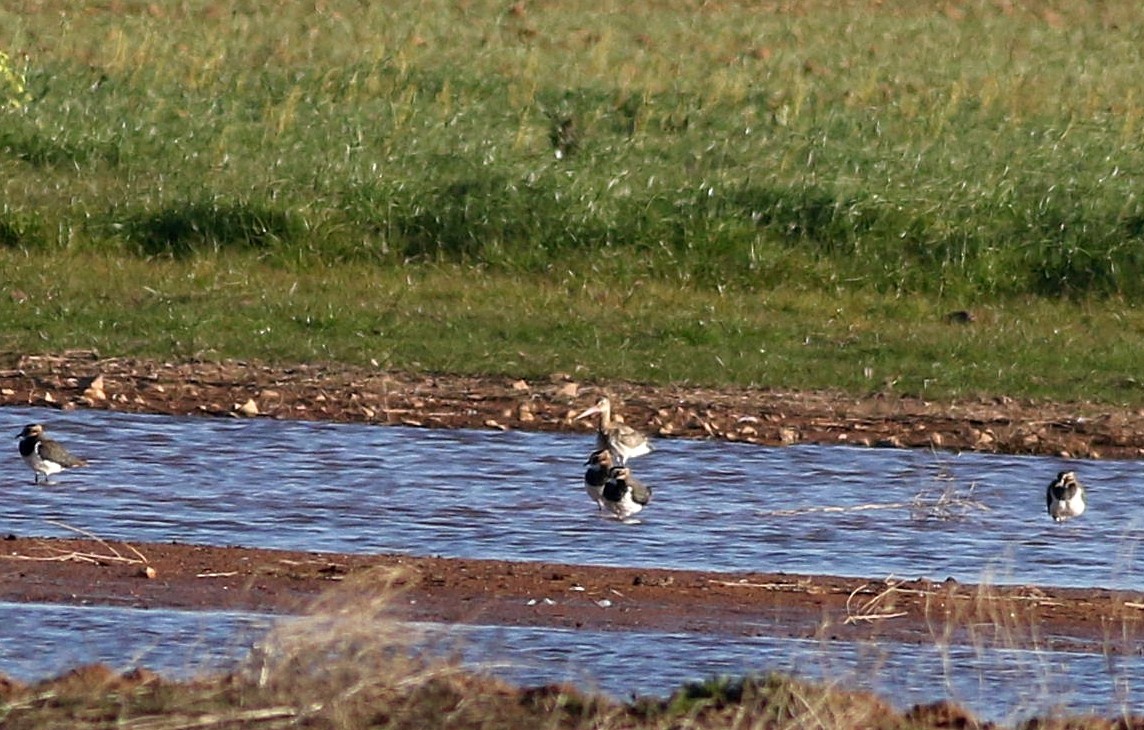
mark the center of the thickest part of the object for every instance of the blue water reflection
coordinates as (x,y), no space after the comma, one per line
(996,684)
(518,495)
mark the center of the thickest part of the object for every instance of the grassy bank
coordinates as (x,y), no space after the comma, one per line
(778,195)
(453,319)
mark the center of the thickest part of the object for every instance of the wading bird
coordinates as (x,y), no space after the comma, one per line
(44,455)
(599,464)
(1065,497)
(623,494)
(622,440)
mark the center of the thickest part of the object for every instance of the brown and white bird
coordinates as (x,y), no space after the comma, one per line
(624,495)
(622,440)
(44,455)
(1065,497)
(599,465)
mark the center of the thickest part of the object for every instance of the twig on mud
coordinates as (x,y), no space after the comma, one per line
(765,586)
(866,609)
(76,555)
(228,719)
(227,574)
(142,558)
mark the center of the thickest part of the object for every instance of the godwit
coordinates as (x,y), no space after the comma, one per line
(44,455)
(623,494)
(622,440)
(599,464)
(1065,497)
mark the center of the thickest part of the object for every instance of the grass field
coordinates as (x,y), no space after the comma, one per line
(779,194)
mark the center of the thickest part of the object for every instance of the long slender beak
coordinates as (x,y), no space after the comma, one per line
(590,412)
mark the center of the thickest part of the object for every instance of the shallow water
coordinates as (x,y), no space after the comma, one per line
(518,495)
(995,684)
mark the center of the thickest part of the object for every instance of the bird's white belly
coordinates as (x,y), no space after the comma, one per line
(1074,506)
(1065,508)
(626,506)
(45,467)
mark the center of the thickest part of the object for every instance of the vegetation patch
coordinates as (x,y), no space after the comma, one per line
(212,227)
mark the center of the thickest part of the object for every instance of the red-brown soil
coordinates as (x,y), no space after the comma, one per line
(87,572)
(827,607)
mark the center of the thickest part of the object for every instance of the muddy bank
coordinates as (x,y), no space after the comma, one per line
(830,608)
(769,417)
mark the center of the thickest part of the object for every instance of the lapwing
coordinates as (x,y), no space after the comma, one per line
(599,464)
(1065,497)
(623,494)
(44,455)
(622,440)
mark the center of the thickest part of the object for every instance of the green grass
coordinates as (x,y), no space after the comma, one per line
(787,196)
(452,318)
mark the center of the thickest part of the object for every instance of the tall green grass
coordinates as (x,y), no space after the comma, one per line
(984,154)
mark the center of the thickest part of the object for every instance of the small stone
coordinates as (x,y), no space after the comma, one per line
(520,385)
(248,409)
(568,390)
(148,572)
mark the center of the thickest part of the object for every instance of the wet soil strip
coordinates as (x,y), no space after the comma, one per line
(178,576)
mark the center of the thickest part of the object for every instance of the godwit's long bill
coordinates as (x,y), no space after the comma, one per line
(621,439)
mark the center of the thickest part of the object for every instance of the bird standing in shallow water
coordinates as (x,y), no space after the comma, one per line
(599,464)
(622,440)
(1065,497)
(623,494)
(44,455)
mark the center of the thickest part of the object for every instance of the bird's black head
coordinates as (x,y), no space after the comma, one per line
(32,429)
(600,457)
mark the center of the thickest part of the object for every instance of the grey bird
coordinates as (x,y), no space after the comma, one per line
(44,455)
(622,440)
(1065,497)
(623,494)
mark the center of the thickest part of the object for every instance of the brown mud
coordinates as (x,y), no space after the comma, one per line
(450,590)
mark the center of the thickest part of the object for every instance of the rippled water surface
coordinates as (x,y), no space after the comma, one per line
(517,495)
(998,685)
